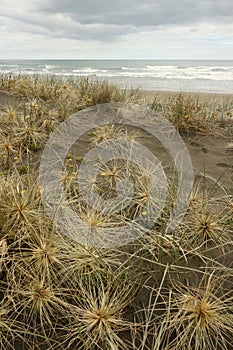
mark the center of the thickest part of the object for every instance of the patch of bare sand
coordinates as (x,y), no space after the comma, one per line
(7,99)
(212,155)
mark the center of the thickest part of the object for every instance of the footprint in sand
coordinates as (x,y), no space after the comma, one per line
(224,165)
(204,150)
(199,145)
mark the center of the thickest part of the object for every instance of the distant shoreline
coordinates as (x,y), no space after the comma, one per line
(207,76)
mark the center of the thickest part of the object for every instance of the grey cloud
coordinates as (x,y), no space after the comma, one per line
(102,33)
(139,13)
(63,26)
(106,20)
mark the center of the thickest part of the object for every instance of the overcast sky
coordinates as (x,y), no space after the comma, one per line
(159,29)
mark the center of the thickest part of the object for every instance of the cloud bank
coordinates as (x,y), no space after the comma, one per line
(85,27)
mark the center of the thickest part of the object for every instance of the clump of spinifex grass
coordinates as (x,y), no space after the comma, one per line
(203,227)
(189,112)
(201,316)
(30,86)
(37,302)
(98,92)
(207,227)
(97,311)
(40,252)
(23,131)
(20,208)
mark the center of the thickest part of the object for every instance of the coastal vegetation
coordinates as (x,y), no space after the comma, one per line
(162,291)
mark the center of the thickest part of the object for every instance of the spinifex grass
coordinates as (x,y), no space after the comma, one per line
(23,130)
(9,150)
(84,296)
(96,316)
(111,132)
(201,315)
(20,208)
(38,301)
(10,328)
(97,92)
(189,112)
(207,225)
(81,260)
(40,251)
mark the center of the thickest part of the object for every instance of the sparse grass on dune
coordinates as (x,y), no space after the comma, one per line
(66,96)
(23,130)
(162,291)
(190,113)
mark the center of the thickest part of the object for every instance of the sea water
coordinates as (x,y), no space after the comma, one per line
(165,75)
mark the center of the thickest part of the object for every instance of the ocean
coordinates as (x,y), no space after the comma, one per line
(165,75)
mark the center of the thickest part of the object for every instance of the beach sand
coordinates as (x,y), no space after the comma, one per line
(7,99)
(150,95)
(211,155)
